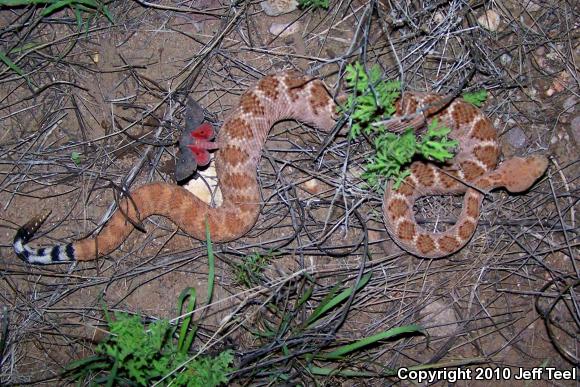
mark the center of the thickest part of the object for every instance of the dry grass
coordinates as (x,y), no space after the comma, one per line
(114,94)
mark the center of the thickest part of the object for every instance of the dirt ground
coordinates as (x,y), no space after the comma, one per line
(102,108)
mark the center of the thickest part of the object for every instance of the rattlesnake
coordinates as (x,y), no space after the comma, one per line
(474,164)
(289,95)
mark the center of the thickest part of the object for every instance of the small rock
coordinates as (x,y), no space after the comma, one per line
(532,7)
(569,104)
(489,20)
(505,59)
(559,83)
(314,186)
(278,7)
(439,318)
(575,126)
(554,56)
(284,29)
(438,17)
(517,138)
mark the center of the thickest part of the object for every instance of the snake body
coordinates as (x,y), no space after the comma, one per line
(240,140)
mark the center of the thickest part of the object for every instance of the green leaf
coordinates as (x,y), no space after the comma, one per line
(76,158)
(313,3)
(19,3)
(346,349)
(134,355)
(186,339)
(328,304)
(211,263)
(476,98)
(435,145)
(325,371)
(371,101)
(12,66)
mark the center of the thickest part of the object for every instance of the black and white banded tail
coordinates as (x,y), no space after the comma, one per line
(42,255)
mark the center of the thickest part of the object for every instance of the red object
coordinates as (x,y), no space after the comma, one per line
(202,142)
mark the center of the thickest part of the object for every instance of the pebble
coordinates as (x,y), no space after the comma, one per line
(532,7)
(278,7)
(569,104)
(575,125)
(517,138)
(314,186)
(284,29)
(559,83)
(489,20)
(440,319)
(505,59)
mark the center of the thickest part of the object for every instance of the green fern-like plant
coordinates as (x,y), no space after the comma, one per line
(248,272)
(141,355)
(476,98)
(135,354)
(371,101)
(313,3)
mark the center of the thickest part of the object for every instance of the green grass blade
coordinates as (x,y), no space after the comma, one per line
(107,13)
(340,352)
(185,339)
(19,3)
(305,297)
(113,375)
(211,262)
(78,17)
(330,304)
(24,47)
(85,363)
(5,323)
(11,65)
(324,371)
(55,7)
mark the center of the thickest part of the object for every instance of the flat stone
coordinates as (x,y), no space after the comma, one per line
(284,29)
(439,318)
(570,104)
(505,59)
(575,125)
(489,20)
(517,138)
(278,7)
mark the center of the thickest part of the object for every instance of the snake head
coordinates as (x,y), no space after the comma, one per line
(519,174)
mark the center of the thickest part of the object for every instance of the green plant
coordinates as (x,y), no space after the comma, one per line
(76,158)
(248,272)
(143,355)
(477,98)
(313,3)
(52,6)
(135,354)
(285,325)
(371,101)
(81,9)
